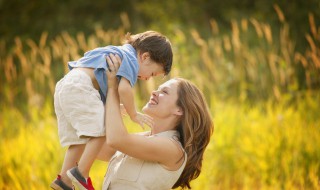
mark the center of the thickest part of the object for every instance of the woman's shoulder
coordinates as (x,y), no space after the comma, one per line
(144,133)
(169,133)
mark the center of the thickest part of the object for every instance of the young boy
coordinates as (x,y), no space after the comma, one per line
(80,96)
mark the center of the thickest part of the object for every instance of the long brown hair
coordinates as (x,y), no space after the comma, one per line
(195,128)
(158,46)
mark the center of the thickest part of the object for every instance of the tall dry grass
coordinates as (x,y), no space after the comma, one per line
(254,61)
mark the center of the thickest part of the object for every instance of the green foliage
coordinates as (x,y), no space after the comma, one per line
(28,19)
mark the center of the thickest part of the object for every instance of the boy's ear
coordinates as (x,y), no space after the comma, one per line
(145,55)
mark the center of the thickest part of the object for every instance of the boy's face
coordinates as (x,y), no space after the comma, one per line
(148,67)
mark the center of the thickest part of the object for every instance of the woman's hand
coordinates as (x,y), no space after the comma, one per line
(113,62)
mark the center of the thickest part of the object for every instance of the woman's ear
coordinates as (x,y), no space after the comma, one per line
(178,111)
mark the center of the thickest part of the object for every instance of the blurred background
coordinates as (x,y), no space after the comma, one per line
(257,62)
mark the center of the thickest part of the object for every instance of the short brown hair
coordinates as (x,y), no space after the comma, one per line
(156,44)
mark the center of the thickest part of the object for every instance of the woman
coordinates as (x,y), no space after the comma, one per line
(168,156)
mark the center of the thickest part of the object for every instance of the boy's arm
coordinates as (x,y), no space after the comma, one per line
(127,98)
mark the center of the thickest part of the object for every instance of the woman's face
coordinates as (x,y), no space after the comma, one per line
(162,102)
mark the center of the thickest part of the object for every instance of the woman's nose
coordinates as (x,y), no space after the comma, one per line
(155,93)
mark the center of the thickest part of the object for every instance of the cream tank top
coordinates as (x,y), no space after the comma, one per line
(128,173)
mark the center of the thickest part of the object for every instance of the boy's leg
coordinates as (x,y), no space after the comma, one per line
(71,158)
(90,153)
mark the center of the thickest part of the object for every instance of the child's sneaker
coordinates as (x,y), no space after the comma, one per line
(81,182)
(58,184)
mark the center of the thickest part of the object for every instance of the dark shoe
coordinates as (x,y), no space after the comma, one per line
(81,182)
(58,184)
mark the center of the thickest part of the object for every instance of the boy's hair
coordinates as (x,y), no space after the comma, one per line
(156,44)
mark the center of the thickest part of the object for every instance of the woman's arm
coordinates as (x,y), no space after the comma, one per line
(157,149)
(106,153)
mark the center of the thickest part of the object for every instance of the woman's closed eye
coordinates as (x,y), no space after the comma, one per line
(163,90)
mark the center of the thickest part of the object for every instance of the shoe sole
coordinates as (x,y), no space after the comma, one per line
(55,186)
(74,180)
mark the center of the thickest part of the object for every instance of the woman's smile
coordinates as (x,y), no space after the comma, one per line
(153,101)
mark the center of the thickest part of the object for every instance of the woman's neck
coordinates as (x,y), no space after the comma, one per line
(161,125)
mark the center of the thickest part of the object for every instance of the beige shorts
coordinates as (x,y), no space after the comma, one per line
(79,109)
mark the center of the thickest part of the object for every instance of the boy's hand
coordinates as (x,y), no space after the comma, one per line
(142,119)
(123,110)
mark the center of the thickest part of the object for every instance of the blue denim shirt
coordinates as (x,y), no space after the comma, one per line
(96,59)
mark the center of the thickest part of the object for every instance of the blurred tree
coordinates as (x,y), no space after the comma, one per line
(29,18)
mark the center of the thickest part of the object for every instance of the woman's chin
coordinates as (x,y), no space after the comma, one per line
(147,109)
(148,105)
